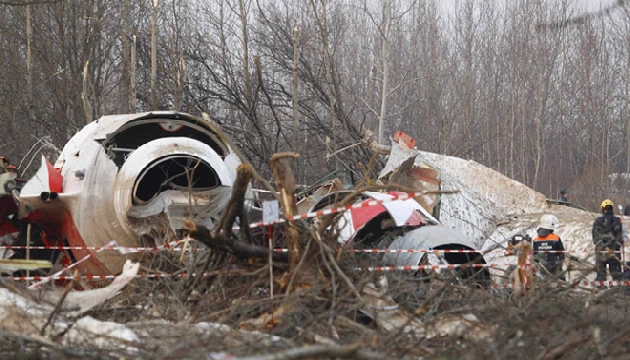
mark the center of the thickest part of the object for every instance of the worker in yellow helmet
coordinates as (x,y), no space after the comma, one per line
(608,240)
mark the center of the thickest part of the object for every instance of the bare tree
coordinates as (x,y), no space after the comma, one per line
(154,95)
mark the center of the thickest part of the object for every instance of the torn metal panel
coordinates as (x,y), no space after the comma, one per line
(421,177)
(402,212)
(424,238)
(485,196)
(308,198)
(401,225)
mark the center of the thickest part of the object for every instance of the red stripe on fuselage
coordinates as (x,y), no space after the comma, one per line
(62,226)
(55,180)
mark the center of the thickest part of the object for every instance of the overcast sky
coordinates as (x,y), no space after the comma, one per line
(586,5)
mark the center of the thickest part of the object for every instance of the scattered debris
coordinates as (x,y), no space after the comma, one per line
(9,266)
(77,302)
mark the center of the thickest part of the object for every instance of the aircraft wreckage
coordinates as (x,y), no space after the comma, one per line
(138,178)
(128,178)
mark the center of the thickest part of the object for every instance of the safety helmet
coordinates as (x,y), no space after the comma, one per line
(520,237)
(607,202)
(549,222)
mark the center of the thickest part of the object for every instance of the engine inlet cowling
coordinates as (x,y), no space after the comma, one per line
(175,172)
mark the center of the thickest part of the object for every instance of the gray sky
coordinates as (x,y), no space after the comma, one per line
(585,5)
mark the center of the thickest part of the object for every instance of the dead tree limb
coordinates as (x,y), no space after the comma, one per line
(238,153)
(234,207)
(217,241)
(311,352)
(284,178)
(220,238)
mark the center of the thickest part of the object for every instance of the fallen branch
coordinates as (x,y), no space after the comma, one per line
(44,342)
(353,352)
(217,241)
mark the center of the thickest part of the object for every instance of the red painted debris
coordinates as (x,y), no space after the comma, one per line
(406,139)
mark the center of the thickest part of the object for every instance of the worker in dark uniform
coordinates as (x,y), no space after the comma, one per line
(608,240)
(563,196)
(548,247)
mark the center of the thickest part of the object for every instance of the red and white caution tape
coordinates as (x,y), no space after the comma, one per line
(410,251)
(108,277)
(172,246)
(474,251)
(580,284)
(46,279)
(612,283)
(112,245)
(122,249)
(426,267)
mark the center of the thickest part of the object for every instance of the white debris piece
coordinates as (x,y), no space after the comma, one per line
(78,302)
(22,314)
(485,198)
(102,334)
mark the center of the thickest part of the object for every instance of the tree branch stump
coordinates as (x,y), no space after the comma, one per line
(284,178)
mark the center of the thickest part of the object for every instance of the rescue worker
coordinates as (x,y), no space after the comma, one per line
(608,239)
(563,196)
(548,247)
(9,177)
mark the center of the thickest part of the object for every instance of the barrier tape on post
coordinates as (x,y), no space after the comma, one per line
(112,245)
(172,246)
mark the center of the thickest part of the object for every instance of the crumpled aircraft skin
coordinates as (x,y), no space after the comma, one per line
(130,178)
(408,230)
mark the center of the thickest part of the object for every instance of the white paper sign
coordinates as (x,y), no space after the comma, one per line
(271,211)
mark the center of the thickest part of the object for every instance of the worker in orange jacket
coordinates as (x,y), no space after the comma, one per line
(548,247)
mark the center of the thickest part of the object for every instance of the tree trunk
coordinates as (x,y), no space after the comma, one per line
(154,96)
(384,89)
(284,178)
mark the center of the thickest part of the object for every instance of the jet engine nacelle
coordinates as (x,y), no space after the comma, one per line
(131,178)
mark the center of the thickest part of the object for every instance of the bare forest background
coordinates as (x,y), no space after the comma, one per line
(533,89)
